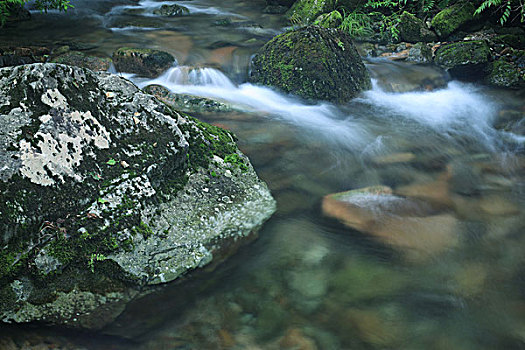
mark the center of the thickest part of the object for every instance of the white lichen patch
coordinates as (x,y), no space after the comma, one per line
(46,263)
(22,289)
(58,153)
(53,98)
(137,188)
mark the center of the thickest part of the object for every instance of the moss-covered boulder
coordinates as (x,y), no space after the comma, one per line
(464,60)
(80,59)
(503,73)
(503,41)
(312,62)
(329,20)
(306,11)
(453,18)
(413,29)
(106,192)
(144,62)
(171,10)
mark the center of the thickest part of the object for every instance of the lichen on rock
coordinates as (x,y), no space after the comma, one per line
(107,192)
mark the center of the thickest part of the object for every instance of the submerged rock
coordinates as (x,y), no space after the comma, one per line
(464,60)
(313,62)
(145,62)
(453,18)
(420,53)
(275,9)
(106,192)
(407,224)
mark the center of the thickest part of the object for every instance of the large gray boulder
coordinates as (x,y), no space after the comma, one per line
(107,193)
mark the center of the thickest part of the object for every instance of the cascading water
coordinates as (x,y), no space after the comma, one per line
(457,111)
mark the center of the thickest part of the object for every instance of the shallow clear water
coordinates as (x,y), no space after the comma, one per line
(443,266)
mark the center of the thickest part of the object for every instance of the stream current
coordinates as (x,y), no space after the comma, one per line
(310,282)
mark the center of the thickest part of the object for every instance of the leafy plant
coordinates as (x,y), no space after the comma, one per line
(95,257)
(9,7)
(505,7)
(357,24)
(387,15)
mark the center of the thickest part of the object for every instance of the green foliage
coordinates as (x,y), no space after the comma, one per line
(386,14)
(504,8)
(93,258)
(357,24)
(9,7)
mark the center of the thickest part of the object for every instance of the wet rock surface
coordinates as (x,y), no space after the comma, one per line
(14,56)
(187,103)
(80,59)
(464,60)
(107,192)
(144,62)
(171,10)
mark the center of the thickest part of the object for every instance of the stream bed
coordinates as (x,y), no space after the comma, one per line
(310,281)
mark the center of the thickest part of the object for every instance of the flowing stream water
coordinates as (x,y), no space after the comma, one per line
(309,281)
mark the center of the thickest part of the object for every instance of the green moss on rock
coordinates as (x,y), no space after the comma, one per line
(505,74)
(413,29)
(314,63)
(464,60)
(453,18)
(102,193)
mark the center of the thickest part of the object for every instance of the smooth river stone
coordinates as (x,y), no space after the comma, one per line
(403,223)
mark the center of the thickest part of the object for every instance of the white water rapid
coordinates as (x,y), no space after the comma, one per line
(459,111)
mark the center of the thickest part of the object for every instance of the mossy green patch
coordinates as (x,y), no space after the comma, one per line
(206,141)
(453,18)
(313,62)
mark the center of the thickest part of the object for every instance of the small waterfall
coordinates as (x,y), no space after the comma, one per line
(185,75)
(459,114)
(324,118)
